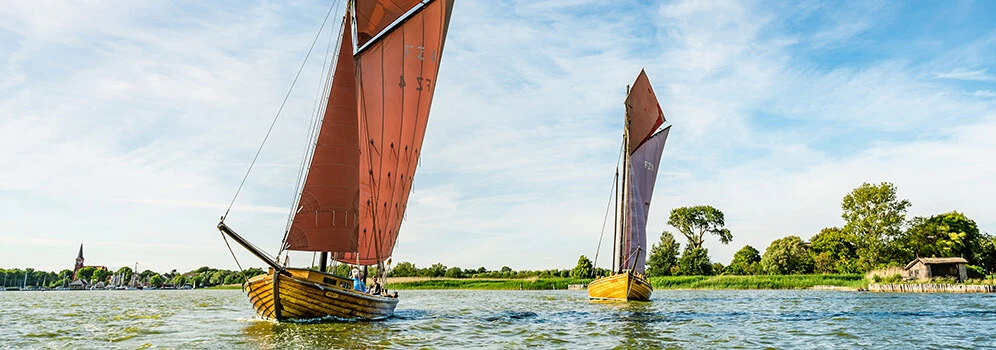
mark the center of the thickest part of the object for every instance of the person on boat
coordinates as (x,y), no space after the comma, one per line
(358,284)
(375,288)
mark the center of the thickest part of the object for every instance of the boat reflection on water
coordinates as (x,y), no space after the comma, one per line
(639,324)
(318,335)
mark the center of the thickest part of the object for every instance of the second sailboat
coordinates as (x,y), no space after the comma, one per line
(643,144)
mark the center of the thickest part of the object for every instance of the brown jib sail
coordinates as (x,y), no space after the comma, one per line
(356,184)
(327,212)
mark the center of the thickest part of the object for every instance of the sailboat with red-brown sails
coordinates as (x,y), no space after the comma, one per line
(360,165)
(642,146)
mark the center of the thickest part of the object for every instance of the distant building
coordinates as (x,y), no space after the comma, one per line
(927,268)
(79,264)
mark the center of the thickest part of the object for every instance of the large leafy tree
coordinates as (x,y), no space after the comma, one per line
(695,222)
(404,269)
(786,256)
(695,262)
(957,224)
(583,269)
(85,273)
(833,251)
(944,235)
(454,272)
(874,215)
(663,256)
(745,262)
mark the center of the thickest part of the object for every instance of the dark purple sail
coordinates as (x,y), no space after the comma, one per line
(643,176)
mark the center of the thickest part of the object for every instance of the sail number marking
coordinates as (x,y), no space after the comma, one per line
(419,52)
(418,81)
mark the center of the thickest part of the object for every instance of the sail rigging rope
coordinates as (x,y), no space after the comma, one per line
(608,206)
(282,104)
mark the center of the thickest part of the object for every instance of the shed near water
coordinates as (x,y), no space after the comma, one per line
(927,268)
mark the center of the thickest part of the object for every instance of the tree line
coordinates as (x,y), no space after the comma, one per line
(876,234)
(407,269)
(201,277)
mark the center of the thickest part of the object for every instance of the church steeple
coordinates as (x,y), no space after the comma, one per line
(79,262)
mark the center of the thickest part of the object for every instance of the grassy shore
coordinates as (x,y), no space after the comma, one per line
(225,286)
(659,283)
(484,284)
(758,282)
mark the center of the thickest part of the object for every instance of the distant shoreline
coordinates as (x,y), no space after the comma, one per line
(757,282)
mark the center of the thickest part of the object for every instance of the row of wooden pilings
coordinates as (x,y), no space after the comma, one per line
(932,288)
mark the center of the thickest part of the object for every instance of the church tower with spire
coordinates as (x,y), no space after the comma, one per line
(79,262)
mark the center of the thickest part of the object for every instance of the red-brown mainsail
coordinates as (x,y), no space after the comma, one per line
(396,76)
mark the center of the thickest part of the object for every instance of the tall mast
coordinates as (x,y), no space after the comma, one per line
(624,192)
(615,221)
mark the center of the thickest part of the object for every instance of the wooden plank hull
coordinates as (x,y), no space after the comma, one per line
(310,295)
(623,287)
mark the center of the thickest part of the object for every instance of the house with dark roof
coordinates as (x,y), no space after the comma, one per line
(928,268)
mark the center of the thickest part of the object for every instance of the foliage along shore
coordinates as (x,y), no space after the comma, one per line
(760,282)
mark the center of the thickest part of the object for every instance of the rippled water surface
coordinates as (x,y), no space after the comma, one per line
(508,319)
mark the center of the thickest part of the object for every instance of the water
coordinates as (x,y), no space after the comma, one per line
(508,319)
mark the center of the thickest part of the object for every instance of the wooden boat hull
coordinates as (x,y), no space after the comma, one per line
(309,295)
(622,287)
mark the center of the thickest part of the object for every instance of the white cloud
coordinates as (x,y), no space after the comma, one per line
(966,74)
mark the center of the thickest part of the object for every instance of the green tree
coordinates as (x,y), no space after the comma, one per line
(695,262)
(145,275)
(931,238)
(232,279)
(100,276)
(695,222)
(506,269)
(718,268)
(156,280)
(745,262)
(85,273)
(943,235)
(124,272)
(583,269)
(663,256)
(786,256)
(833,251)
(874,215)
(252,272)
(985,253)
(454,272)
(436,270)
(343,270)
(404,269)
(218,277)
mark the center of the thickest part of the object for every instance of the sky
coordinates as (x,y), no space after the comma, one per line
(127,126)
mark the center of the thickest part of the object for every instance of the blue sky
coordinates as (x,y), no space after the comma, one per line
(128,125)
